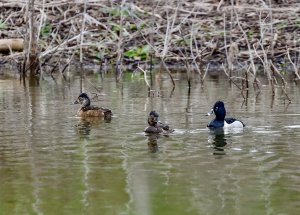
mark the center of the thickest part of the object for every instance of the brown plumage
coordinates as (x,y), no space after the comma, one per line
(155,126)
(87,110)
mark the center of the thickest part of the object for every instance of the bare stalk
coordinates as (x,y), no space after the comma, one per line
(283,86)
(219,5)
(168,34)
(205,73)
(61,47)
(169,30)
(81,32)
(31,53)
(248,44)
(42,19)
(145,78)
(271,29)
(294,65)
(187,65)
(120,43)
(265,61)
(193,41)
(169,72)
(231,78)
(225,43)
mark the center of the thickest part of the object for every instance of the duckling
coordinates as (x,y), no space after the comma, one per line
(220,121)
(87,110)
(155,126)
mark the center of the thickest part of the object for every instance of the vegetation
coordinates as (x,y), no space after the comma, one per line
(196,34)
(2,25)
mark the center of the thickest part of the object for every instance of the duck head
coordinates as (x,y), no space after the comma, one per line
(83,99)
(219,110)
(153,118)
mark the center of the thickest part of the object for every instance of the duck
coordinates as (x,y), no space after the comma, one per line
(220,121)
(155,126)
(87,110)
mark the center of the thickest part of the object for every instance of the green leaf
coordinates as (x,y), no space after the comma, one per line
(46,30)
(115,27)
(138,53)
(133,27)
(2,25)
(130,53)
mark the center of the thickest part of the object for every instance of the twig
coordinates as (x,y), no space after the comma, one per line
(282,80)
(165,66)
(120,43)
(248,44)
(294,65)
(81,32)
(205,73)
(145,78)
(169,31)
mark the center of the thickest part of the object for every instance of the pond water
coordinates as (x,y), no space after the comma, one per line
(53,162)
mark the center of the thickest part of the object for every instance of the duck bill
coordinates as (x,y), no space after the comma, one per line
(76,102)
(210,112)
(153,120)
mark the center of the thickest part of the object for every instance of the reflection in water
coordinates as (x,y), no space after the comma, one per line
(84,126)
(83,129)
(86,175)
(152,143)
(217,139)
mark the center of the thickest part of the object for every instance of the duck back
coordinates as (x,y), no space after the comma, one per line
(93,111)
(232,122)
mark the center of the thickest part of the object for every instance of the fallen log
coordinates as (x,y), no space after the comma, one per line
(7,45)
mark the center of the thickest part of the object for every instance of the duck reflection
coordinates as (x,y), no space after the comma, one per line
(83,128)
(85,125)
(217,139)
(152,143)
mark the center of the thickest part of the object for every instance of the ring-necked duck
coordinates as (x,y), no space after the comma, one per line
(220,121)
(155,126)
(87,110)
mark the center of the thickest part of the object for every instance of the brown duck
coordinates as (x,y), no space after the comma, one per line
(155,126)
(87,110)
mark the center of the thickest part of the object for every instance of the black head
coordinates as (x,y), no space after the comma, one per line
(83,99)
(219,110)
(153,118)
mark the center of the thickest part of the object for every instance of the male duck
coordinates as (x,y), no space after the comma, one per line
(155,126)
(87,110)
(220,121)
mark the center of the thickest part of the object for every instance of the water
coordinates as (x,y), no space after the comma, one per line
(52,162)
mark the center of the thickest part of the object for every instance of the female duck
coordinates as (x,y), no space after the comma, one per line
(87,110)
(220,121)
(155,126)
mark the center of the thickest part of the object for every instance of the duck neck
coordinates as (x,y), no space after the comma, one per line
(220,114)
(86,103)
